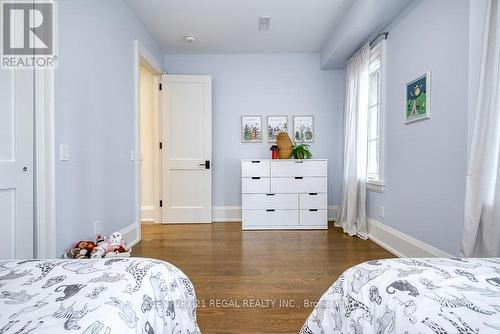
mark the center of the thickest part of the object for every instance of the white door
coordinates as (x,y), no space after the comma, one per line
(16,164)
(187,149)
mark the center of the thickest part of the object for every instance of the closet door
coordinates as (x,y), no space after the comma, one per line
(16,164)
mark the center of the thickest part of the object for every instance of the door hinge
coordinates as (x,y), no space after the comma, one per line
(160,86)
(161,204)
(161,145)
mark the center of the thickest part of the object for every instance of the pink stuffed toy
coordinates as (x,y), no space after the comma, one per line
(113,246)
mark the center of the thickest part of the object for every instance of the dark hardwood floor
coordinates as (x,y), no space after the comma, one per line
(255,281)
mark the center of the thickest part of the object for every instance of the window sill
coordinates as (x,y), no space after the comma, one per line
(375,186)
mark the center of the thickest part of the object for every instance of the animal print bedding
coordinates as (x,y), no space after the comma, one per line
(412,296)
(117,295)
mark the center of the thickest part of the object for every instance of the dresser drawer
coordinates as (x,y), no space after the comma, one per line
(266,218)
(314,217)
(313,201)
(270,201)
(298,185)
(255,185)
(299,168)
(255,168)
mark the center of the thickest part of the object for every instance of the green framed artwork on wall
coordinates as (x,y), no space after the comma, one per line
(275,125)
(417,99)
(251,129)
(303,129)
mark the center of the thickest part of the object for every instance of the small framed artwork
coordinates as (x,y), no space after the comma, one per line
(275,125)
(417,99)
(251,129)
(303,129)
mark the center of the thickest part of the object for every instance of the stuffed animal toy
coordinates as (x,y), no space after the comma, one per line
(101,247)
(97,253)
(81,250)
(113,246)
(87,245)
(117,246)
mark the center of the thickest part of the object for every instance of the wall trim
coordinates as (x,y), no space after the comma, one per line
(131,234)
(149,59)
(399,243)
(44,185)
(140,53)
(226,214)
(332,212)
(232,214)
(148,213)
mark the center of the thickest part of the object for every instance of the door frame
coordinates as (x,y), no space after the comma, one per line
(141,54)
(44,160)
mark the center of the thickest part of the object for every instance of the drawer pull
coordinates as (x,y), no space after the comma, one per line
(270,210)
(256,161)
(269,194)
(299,162)
(299,177)
(313,210)
(255,177)
(313,194)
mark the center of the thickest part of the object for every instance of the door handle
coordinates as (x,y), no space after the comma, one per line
(25,169)
(206,164)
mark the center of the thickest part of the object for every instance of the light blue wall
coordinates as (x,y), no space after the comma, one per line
(95,116)
(425,162)
(267,84)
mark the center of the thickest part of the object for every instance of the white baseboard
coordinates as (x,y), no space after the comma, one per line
(130,234)
(226,214)
(147,214)
(399,243)
(232,214)
(332,212)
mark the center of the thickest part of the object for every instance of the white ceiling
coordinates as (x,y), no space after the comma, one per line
(231,26)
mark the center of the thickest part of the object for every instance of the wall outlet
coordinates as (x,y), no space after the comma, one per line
(64,152)
(382,212)
(97,227)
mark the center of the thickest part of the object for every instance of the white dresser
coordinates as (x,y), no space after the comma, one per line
(284,194)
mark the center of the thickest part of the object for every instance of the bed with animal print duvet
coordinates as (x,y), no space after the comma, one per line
(132,295)
(405,295)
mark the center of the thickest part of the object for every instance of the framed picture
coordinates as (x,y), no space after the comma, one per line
(251,129)
(417,99)
(275,125)
(303,129)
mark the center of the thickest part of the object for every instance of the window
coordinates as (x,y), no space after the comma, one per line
(375,162)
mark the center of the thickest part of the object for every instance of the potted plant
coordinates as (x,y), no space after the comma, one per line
(301,151)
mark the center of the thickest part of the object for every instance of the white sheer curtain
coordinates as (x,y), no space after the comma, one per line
(481,236)
(352,212)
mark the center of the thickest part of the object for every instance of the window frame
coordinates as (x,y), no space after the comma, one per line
(377,184)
